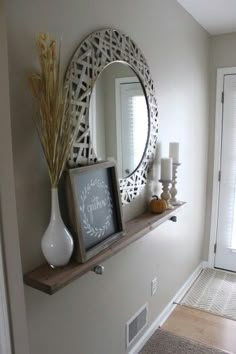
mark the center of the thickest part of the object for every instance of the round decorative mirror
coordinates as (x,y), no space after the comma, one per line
(113,95)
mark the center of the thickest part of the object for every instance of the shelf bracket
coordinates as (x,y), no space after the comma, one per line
(98,269)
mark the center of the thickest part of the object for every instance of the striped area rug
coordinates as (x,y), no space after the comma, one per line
(214,291)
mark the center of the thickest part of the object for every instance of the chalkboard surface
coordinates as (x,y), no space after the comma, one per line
(98,218)
(96,207)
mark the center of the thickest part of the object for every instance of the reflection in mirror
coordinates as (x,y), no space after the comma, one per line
(118,118)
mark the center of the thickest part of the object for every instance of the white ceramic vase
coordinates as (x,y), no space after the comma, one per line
(57,243)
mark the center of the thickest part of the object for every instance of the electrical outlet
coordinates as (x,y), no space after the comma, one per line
(154,286)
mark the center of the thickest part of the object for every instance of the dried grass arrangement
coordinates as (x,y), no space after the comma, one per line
(55,118)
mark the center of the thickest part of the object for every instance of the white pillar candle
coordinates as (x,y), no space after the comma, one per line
(174,152)
(166,169)
(158,153)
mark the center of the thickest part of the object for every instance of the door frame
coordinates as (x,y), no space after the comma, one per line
(216,161)
(5,332)
(13,274)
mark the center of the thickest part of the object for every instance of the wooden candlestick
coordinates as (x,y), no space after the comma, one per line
(173,190)
(166,194)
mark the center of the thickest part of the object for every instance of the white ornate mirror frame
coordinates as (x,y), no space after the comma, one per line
(98,50)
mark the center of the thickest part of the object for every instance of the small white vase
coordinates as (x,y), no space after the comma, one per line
(57,243)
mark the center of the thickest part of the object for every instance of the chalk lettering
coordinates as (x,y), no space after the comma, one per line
(94,206)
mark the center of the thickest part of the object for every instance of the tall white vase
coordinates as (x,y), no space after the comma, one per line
(57,243)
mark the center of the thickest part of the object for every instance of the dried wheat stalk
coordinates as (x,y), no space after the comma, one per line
(55,121)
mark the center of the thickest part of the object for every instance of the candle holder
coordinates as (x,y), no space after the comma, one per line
(173,190)
(166,194)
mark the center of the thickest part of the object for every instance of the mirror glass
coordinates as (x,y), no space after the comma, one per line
(118,118)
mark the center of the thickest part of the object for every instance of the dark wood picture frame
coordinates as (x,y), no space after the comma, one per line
(92,194)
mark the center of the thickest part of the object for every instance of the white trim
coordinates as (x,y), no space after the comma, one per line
(9,227)
(167,310)
(205,264)
(5,336)
(127,80)
(93,117)
(216,161)
(118,128)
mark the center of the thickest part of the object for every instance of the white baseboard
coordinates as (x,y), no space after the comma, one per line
(205,264)
(168,309)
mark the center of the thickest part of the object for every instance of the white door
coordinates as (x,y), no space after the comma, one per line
(225,256)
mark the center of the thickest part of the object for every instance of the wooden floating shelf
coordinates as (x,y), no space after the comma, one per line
(49,280)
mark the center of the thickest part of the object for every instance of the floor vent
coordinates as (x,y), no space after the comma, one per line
(135,325)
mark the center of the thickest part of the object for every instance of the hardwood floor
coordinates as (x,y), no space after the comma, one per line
(203,327)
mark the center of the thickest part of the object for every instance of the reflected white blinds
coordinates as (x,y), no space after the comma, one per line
(134,125)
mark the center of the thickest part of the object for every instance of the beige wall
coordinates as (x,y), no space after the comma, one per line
(222,54)
(89,316)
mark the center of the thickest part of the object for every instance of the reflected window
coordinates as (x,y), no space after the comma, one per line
(118,118)
(134,125)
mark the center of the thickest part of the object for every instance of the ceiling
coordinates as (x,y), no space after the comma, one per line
(216,16)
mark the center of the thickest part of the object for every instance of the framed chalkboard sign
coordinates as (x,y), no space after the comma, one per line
(94,205)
